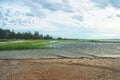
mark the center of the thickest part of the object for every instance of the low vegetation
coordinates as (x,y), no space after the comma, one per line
(26,44)
(19,44)
(9,40)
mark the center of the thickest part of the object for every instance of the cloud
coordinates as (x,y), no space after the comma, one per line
(105,3)
(65,18)
(101,3)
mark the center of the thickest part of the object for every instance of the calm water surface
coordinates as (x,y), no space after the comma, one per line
(66,49)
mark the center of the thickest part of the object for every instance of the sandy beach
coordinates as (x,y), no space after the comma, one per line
(61,69)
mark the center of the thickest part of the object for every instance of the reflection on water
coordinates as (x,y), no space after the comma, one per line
(66,49)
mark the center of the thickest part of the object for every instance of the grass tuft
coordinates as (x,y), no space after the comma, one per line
(31,44)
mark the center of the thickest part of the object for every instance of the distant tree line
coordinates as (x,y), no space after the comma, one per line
(7,34)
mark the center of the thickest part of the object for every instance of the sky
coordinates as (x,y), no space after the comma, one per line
(77,19)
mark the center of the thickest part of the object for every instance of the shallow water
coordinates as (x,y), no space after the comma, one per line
(66,49)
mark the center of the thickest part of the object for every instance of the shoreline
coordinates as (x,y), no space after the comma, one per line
(58,58)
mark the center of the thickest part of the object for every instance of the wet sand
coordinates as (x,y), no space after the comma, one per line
(61,69)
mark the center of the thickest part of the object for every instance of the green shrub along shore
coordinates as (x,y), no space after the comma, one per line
(7,34)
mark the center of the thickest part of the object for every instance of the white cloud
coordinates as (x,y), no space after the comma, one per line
(102,21)
(55,1)
(61,17)
(103,36)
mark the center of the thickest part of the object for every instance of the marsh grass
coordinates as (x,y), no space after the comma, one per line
(13,44)
(29,44)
